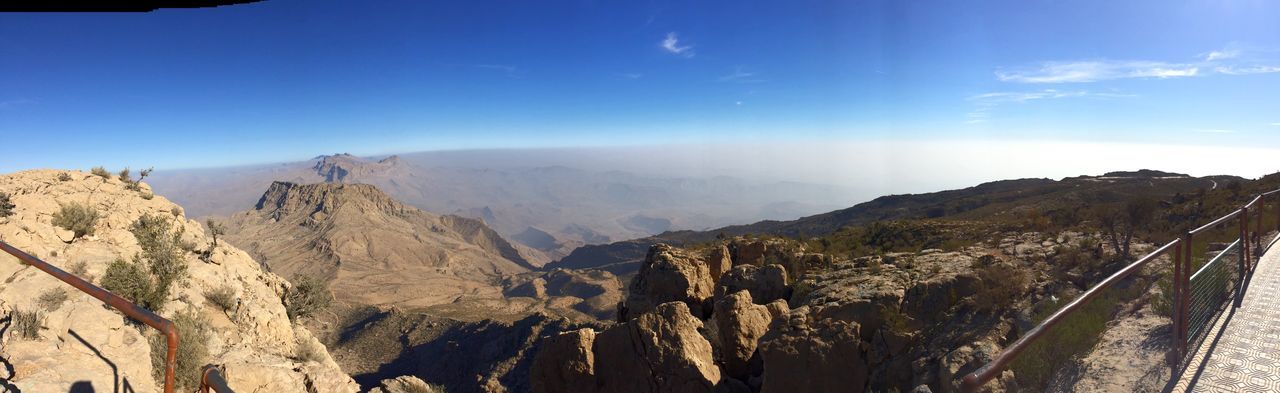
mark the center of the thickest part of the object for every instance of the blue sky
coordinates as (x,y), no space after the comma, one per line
(285,80)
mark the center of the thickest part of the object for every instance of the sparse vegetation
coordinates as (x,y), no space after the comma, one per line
(307,297)
(51,300)
(1075,336)
(27,323)
(125,176)
(223,296)
(146,280)
(100,171)
(1002,283)
(64,176)
(77,218)
(6,206)
(194,353)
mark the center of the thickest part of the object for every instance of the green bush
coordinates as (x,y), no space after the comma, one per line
(51,300)
(27,323)
(307,297)
(77,218)
(193,350)
(100,171)
(223,296)
(131,281)
(6,206)
(147,279)
(162,251)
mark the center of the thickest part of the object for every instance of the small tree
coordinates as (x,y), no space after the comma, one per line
(77,218)
(1119,225)
(215,229)
(6,206)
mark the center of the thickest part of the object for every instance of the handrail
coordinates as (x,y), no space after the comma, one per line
(984,374)
(211,381)
(972,381)
(1255,200)
(132,310)
(1217,222)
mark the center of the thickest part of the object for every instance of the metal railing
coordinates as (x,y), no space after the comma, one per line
(132,310)
(212,377)
(1203,285)
(211,381)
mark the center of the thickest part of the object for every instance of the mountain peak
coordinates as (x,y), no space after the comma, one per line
(284,198)
(338,168)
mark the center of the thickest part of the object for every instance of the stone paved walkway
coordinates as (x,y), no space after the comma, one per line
(1242,352)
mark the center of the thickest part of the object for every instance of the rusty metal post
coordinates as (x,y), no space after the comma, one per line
(1175,304)
(1184,298)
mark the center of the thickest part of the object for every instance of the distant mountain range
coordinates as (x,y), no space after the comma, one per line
(548,211)
(987,202)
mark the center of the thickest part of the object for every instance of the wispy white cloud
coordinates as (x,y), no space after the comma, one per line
(6,104)
(1093,71)
(1246,70)
(1215,131)
(1275,124)
(985,103)
(631,75)
(509,70)
(740,76)
(1229,53)
(672,44)
(1229,61)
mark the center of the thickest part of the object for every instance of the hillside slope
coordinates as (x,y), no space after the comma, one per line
(372,249)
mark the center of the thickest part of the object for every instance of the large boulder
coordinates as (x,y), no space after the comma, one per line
(719,261)
(871,297)
(659,351)
(739,324)
(747,252)
(669,274)
(405,384)
(565,363)
(801,354)
(766,284)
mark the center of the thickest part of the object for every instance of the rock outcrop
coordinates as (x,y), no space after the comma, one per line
(658,351)
(766,284)
(80,342)
(801,354)
(669,274)
(739,325)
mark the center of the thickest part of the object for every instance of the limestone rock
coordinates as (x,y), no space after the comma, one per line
(669,274)
(805,355)
(659,351)
(719,262)
(740,324)
(404,384)
(766,284)
(565,363)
